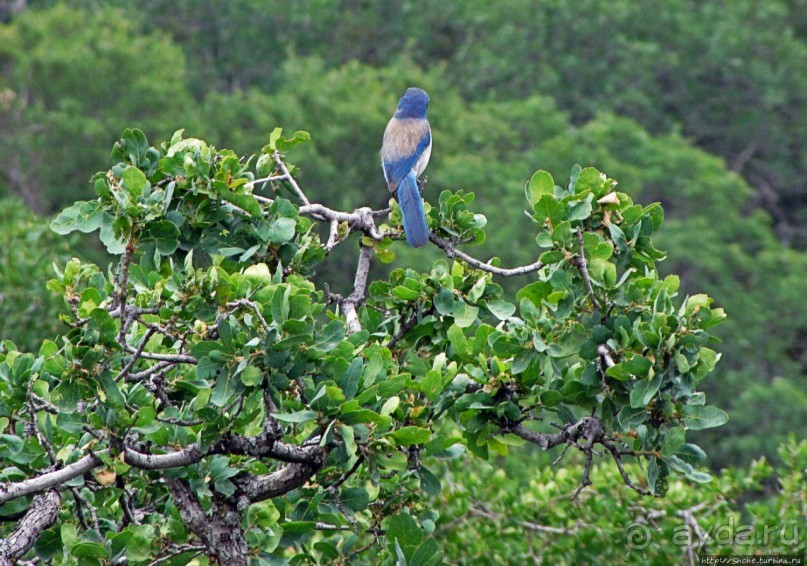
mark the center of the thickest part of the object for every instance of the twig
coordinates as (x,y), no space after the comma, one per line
(579,261)
(252,305)
(591,430)
(179,422)
(124,283)
(290,179)
(181,549)
(452,251)
(333,237)
(82,502)
(344,477)
(136,356)
(156,368)
(408,324)
(334,490)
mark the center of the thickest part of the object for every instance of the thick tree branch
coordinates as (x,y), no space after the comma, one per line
(261,446)
(277,483)
(185,457)
(189,507)
(42,513)
(49,480)
(356,297)
(174,358)
(220,531)
(360,220)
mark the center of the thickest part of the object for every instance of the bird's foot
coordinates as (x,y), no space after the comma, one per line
(422,183)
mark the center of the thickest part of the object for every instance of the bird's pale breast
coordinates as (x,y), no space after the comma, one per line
(402,137)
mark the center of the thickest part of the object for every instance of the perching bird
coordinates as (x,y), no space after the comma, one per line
(405,153)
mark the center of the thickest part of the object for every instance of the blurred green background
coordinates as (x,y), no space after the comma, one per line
(699,105)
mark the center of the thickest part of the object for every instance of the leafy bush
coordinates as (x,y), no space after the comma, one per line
(210,398)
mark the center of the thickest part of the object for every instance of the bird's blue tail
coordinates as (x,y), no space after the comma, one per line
(414,219)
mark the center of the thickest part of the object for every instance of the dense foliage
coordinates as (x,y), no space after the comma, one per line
(698,106)
(494,513)
(210,399)
(27,251)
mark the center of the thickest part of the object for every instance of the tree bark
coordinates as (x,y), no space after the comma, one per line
(42,513)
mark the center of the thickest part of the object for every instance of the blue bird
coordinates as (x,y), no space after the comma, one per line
(405,153)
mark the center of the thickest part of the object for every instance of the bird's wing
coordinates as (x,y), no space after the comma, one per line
(405,142)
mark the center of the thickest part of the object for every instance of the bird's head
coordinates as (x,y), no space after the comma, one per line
(412,104)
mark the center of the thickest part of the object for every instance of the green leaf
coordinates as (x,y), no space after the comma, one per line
(164,234)
(464,314)
(431,384)
(114,245)
(549,209)
(427,554)
(581,210)
(245,202)
(682,362)
(82,216)
(251,376)
(298,527)
(540,184)
(629,418)
(404,529)
(405,293)
(444,301)
(138,547)
(551,398)
(501,309)
(409,435)
(366,416)
(282,230)
(356,498)
(111,391)
(656,214)
(698,417)
(300,136)
(457,339)
(602,271)
(535,292)
(349,381)
(297,416)
(101,327)
(674,439)
(677,464)
(644,390)
(619,371)
(89,550)
(390,405)
(263,514)
(134,181)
